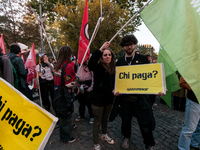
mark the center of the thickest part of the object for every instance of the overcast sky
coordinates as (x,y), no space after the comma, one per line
(144,36)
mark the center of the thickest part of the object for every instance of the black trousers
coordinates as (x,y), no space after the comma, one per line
(83,102)
(45,89)
(26,91)
(128,110)
(179,103)
(152,99)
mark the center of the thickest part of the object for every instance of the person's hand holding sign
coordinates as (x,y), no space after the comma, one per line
(162,94)
(116,94)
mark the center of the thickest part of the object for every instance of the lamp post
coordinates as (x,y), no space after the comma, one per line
(41,33)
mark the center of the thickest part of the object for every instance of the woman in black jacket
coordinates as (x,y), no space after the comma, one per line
(102,63)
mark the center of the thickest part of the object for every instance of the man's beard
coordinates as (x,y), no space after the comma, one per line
(129,51)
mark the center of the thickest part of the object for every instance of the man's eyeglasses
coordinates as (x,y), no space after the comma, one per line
(127,46)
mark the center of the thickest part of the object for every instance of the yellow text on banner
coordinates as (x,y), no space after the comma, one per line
(23,124)
(140,79)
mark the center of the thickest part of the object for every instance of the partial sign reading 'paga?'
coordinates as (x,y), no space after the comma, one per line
(22,121)
(140,79)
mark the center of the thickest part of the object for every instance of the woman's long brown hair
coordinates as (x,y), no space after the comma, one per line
(64,54)
(111,67)
(42,58)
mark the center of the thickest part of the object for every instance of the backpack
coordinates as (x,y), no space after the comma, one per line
(14,72)
(63,101)
(13,69)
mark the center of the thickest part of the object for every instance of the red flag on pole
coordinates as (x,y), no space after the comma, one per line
(31,64)
(23,57)
(84,37)
(2,44)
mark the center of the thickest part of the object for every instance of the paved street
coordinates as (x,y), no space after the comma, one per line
(168,126)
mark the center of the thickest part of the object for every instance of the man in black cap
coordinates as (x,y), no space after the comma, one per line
(18,63)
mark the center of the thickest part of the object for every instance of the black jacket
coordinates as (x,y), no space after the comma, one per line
(103,82)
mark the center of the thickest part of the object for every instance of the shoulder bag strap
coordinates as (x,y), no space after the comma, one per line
(62,74)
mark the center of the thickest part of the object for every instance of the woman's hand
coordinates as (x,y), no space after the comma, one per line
(47,62)
(50,66)
(104,46)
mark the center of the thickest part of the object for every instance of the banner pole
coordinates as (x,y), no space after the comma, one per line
(37,80)
(130,20)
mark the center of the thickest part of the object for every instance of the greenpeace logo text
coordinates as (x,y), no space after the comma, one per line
(137,89)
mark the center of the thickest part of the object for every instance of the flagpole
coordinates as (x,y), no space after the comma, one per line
(93,36)
(130,20)
(37,78)
(49,43)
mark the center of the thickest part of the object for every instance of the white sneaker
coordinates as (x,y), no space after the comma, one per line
(105,137)
(91,121)
(97,147)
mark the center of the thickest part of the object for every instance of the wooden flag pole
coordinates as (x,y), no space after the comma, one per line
(130,20)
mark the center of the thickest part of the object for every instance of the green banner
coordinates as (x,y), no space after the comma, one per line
(175,24)
(172,81)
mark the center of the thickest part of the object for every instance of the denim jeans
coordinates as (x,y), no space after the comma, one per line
(196,137)
(192,117)
(65,127)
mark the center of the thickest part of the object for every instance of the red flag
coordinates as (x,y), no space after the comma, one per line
(84,37)
(2,44)
(31,64)
(23,57)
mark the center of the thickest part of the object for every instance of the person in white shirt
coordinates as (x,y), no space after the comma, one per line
(46,82)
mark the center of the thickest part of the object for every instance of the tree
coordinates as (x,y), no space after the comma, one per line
(17,23)
(70,19)
(67,14)
(48,7)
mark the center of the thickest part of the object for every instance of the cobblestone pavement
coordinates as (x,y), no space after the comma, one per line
(168,126)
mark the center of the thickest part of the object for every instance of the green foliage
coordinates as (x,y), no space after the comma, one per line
(65,19)
(146,50)
(70,20)
(48,7)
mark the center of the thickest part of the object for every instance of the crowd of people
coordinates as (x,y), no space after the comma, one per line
(94,87)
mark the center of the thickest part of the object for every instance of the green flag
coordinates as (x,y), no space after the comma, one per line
(175,24)
(172,81)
